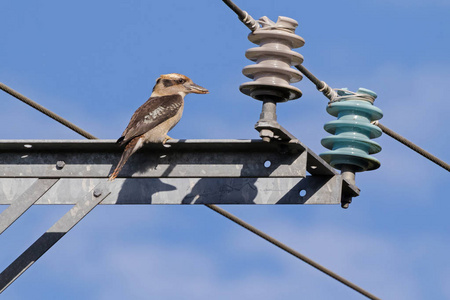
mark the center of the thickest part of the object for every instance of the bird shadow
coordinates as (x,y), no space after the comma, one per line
(200,188)
(141,190)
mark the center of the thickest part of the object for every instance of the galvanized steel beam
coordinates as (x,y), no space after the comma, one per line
(183,158)
(211,171)
(308,190)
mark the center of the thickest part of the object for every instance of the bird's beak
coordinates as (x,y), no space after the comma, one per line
(194,88)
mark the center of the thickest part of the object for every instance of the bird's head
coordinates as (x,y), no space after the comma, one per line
(171,84)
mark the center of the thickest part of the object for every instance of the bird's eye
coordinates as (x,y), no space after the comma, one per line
(181,80)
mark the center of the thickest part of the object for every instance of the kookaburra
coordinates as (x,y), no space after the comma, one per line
(152,121)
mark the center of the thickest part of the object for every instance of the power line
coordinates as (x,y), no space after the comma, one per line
(46,111)
(290,250)
(245,18)
(412,146)
(239,12)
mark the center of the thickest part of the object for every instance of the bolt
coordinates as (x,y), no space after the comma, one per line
(60,164)
(97,192)
(266,135)
(345,201)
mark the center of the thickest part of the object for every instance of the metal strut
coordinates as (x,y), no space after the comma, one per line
(53,235)
(22,203)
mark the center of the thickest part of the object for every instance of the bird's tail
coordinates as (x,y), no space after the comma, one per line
(130,148)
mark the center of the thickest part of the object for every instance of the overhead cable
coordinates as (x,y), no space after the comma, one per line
(290,250)
(412,146)
(46,111)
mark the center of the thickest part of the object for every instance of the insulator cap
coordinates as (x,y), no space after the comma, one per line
(272,73)
(351,144)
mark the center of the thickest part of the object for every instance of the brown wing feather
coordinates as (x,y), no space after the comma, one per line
(151,114)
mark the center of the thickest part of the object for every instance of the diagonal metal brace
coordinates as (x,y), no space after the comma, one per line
(22,203)
(53,235)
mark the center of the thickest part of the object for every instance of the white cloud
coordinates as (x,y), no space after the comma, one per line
(245,266)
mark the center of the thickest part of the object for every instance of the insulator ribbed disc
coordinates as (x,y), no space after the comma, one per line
(294,40)
(355,107)
(282,92)
(292,57)
(361,162)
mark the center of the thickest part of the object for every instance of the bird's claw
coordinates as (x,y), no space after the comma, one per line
(166,139)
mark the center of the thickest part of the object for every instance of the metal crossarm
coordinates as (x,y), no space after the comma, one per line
(217,172)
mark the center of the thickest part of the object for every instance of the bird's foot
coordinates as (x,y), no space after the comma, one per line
(166,139)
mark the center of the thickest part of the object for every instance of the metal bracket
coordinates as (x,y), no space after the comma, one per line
(267,125)
(269,130)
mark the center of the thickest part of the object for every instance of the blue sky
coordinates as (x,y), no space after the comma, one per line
(95,62)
